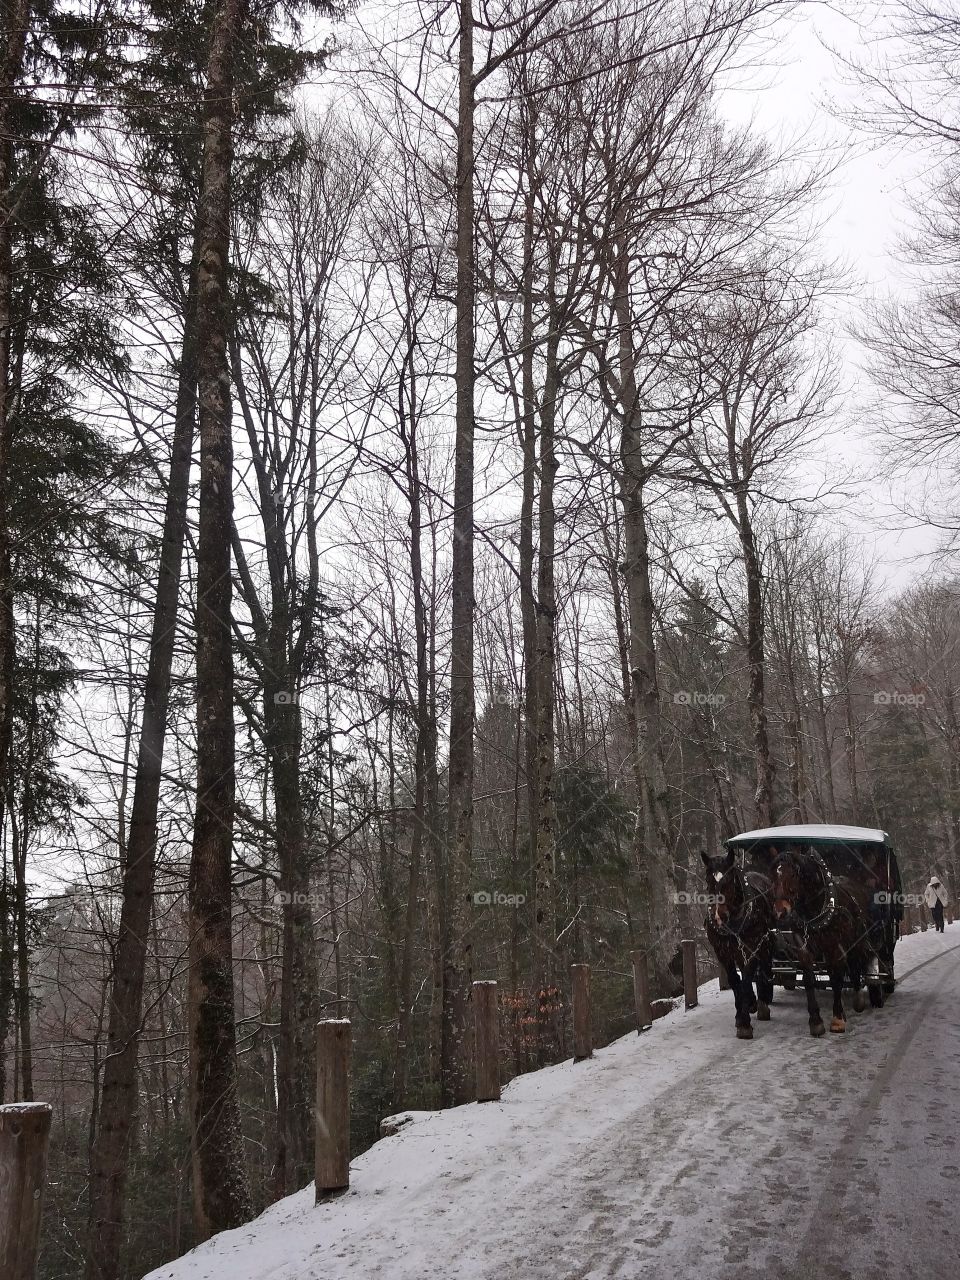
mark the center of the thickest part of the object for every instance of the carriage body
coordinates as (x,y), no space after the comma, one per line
(860,859)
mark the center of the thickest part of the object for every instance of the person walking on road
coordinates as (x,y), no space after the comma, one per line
(935,896)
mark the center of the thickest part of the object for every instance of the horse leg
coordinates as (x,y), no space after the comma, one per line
(763,994)
(767,987)
(744,1028)
(766,977)
(813,1009)
(751,994)
(839,1021)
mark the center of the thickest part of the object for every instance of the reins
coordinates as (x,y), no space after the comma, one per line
(751,896)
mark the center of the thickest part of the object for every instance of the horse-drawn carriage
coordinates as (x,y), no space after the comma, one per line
(813,902)
(857,863)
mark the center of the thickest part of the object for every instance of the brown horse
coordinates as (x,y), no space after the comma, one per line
(822,925)
(738,927)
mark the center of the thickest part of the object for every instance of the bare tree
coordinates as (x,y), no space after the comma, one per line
(221,1194)
(665,195)
(292,353)
(907,85)
(766,396)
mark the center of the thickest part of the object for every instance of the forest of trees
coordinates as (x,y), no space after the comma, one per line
(416,547)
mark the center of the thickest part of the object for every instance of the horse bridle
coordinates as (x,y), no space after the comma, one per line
(751,896)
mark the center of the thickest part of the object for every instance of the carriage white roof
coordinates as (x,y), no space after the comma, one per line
(816,831)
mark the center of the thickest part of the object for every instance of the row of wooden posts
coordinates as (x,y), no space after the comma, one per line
(333,1055)
(25,1127)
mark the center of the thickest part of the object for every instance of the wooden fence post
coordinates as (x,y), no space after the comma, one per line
(689,973)
(24,1135)
(582,1018)
(641,990)
(486,1025)
(333,1106)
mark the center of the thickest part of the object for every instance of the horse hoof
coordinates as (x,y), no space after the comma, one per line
(817,1029)
(860,1001)
(838,1024)
(763,1012)
(744,1033)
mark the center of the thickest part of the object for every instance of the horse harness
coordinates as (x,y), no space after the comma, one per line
(752,895)
(831,908)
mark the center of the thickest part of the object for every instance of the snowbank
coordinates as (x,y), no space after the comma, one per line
(467,1192)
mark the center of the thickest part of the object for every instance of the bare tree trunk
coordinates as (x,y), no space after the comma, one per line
(545,939)
(21,815)
(756,666)
(612,565)
(7,983)
(794,732)
(652,835)
(425,765)
(652,832)
(118,1103)
(457,959)
(25,1035)
(280,654)
(850,749)
(283,738)
(298,970)
(16,22)
(823,733)
(221,1195)
(528,599)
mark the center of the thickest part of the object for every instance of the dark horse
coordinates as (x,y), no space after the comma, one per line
(823,925)
(738,925)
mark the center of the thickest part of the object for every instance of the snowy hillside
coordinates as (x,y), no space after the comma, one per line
(676,1152)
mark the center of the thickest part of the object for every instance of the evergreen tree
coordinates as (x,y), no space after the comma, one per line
(907,788)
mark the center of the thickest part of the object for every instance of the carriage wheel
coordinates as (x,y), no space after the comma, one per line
(889,981)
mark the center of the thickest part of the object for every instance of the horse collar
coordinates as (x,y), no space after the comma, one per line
(825,916)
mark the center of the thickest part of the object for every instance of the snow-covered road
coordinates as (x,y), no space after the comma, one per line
(682,1152)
